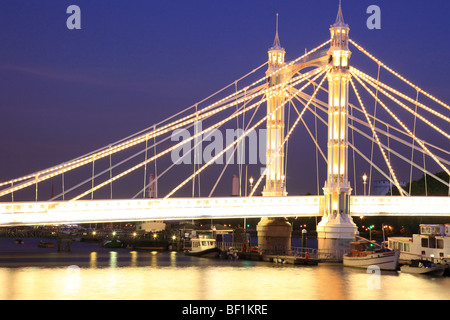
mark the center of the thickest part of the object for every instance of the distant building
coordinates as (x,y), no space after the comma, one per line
(151,226)
(153,186)
(235,186)
(189,230)
(383,187)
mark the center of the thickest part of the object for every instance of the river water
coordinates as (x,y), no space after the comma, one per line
(90,272)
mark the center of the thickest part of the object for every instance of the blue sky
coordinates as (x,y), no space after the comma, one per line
(66,92)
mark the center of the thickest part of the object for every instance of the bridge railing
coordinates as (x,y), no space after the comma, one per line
(225,245)
(322,254)
(311,253)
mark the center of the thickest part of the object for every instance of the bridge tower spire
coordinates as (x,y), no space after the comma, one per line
(337,229)
(274,234)
(275,175)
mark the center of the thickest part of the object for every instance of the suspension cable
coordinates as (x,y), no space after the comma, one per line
(374,124)
(404,126)
(288,135)
(391,170)
(398,75)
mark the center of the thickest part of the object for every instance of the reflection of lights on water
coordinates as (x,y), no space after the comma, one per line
(93,260)
(173,259)
(112,259)
(73,270)
(154,261)
(207,279)
(134,255)
(73,278)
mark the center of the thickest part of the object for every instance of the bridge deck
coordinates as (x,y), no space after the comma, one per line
(86,211)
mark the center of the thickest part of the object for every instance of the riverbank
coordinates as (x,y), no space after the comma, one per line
(92,254)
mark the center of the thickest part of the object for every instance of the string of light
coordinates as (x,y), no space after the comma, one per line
(408,109)
(288,135)
(218,124)
(388,163)
(404,96)
(403,126)
(398,75)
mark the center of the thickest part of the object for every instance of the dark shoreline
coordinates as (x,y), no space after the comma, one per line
(29,254)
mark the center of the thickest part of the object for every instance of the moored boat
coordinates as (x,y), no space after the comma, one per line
(362,256)
(112,244)
(203,248)
(43,244)
(432,243)
(420,266)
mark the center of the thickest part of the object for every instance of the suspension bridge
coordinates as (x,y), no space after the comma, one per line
(357,117)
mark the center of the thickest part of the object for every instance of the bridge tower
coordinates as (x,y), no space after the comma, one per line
(275,175)
(337,229)
(274,234)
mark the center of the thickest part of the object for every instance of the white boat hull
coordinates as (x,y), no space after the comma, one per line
(384,260)
(208,253)
(436,271)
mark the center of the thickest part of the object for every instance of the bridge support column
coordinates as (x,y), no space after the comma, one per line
(337,229)
(334,234)
(274,236)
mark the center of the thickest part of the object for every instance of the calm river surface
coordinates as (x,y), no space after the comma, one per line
(91,272)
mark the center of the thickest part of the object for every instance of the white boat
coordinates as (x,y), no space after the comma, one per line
(419,266)
(202,247)
(433,243)
(362,255)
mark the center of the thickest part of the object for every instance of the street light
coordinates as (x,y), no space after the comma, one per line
(251,187)
(365,182)
(370,231)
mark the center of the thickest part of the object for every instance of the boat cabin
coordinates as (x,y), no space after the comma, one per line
(201,244)
(360,248)
(432,242)
(417,263)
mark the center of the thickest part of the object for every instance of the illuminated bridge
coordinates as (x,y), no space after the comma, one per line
(356,118)
(86,211)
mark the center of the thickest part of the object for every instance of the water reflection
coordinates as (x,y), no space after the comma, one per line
(72,280)
(113,259)
(154,259)
(93,260)
(173,259)
(170,275)
(134,256)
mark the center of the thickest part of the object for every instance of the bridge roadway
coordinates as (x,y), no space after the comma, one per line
(87,211)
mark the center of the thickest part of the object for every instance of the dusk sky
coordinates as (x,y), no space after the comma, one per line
(64,93)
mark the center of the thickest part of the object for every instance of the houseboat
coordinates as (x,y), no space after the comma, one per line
(433,243)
